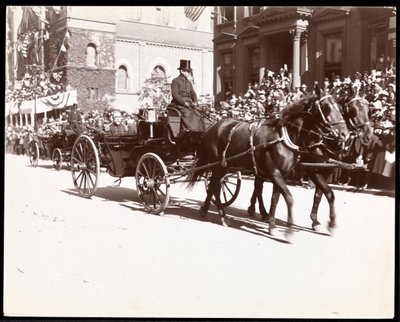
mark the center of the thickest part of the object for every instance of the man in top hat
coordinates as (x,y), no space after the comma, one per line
(184,97)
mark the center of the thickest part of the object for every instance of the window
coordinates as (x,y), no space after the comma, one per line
(333,55)
(162,16)
(91,55)
(93,93)
(227,14)
(227,64)
(227,74)
(122,78)
(254,64)
(159,71)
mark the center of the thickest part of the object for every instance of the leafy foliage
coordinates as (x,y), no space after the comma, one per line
(156,92)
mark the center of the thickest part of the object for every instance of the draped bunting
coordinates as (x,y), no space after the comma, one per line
(43,104)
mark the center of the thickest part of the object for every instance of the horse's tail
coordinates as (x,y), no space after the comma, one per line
(194,173)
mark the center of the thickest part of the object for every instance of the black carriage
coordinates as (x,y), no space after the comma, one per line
(158,155)
(56,147)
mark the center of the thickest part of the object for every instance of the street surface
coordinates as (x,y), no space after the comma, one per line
(65,255)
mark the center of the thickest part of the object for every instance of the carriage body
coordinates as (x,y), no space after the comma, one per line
(160,153)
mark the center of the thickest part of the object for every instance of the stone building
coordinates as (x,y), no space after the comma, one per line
(313,42)
(106,53)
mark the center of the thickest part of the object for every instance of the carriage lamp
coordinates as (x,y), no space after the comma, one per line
(151,117)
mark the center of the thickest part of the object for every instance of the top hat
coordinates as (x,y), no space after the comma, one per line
(185,65)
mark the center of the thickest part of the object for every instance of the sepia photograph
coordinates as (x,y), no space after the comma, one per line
(200,162)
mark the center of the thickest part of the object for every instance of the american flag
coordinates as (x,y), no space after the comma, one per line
(193,13)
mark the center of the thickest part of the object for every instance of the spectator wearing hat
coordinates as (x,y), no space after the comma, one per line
(184,98)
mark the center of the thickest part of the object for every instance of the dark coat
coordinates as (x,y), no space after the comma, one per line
(118,129)
(183,92)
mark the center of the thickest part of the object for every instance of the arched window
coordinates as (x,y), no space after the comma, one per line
(91,55)
(159,71)
(122,78)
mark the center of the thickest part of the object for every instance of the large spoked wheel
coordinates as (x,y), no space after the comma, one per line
(57,159)
(230,187)
(85,166)
(152,183)
(34,154)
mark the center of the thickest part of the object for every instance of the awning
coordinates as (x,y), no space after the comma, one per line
(11,108)
(60,100)
(49,103)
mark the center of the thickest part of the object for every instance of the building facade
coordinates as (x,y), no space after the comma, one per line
(106,53)
(312,42)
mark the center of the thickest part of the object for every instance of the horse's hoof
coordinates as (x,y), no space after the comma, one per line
(202,212)
(331,229)
(317,227)
(225,222)
(272,230)
(289,236)
(251,212)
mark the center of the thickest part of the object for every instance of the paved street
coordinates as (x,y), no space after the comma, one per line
(69,256)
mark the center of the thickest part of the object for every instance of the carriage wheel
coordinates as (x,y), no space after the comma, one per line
(34,153)
(85,166)
(230,187)
(57,159)
(152,183)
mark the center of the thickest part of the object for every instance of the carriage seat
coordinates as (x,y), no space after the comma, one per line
(176,121)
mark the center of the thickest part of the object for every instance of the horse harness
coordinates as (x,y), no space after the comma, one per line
(284,137)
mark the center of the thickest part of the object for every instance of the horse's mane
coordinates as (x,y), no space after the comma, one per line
(293,109)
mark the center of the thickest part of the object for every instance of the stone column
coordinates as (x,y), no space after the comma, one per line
(304,51)
(263,58)
(296,33)
(32,119)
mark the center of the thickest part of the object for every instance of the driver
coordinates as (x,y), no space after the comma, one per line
(184,97)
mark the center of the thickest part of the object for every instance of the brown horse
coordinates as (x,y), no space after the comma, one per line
(356,116)
(268,149)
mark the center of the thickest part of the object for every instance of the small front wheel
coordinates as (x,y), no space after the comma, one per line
(57,159)
(230,187)
(34,154)
(152,183)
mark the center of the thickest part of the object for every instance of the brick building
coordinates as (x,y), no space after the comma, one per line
(106,53)
(314,42)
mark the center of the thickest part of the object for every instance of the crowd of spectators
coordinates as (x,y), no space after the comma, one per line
(36,86)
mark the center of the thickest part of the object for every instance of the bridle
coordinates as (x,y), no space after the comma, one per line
(330,126)
(351,121)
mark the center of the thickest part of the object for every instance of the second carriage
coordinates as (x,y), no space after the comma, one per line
(158,155)
(54,146)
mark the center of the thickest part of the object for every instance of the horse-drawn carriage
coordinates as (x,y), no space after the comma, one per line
(55,146)
(159,154)
(164,152)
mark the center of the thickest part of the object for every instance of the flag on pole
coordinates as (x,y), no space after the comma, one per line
(193,13)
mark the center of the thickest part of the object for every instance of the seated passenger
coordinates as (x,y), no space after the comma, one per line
(117,128)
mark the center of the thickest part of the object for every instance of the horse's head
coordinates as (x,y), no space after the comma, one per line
(356,114)
(327,115)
